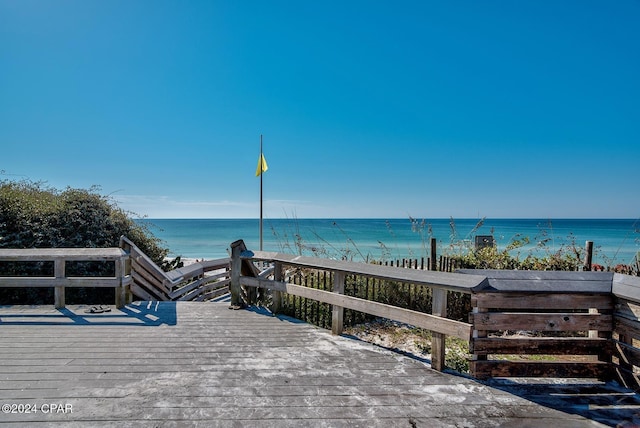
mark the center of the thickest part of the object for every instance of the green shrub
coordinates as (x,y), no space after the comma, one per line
(34,215)
(566,258)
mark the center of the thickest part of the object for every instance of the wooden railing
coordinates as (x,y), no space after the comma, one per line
(60,257)
(567,324)
(134,274)
(441,283)
(205,280)
(523,323)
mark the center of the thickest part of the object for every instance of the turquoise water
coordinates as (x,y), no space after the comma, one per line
(615,240)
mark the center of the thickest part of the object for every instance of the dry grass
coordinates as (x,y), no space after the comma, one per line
(394,335)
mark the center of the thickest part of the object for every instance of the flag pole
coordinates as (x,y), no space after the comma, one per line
(261,174)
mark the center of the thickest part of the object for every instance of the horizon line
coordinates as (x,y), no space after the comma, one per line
(389,218)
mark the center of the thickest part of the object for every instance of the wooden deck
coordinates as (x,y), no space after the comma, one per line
(201,364)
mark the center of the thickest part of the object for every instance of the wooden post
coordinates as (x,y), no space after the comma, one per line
(337,315)
(121,293)
(59,272)
(278,275)
(588,258)
(236,271)
(127,274)
(433,254)
(439,309)
(477,334)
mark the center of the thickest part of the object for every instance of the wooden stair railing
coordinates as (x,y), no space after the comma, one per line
(201,281)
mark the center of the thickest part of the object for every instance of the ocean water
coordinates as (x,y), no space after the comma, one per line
(615,240)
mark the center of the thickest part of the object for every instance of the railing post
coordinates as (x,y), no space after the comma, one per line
(127,274)
(337,315)
(236,272)
(121,293)
(278,275)
(59,273)
(439,309)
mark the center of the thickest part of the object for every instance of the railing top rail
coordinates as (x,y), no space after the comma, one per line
(626,287)
(47,254)
(532,281)
(465,283)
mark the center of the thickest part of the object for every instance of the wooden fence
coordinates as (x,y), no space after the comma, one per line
(439,263)
(542,323)
(557,324)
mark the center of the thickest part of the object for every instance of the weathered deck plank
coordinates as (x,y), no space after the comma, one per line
(200,364)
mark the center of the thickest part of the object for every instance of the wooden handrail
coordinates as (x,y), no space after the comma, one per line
(68,254)
(464,283)
(60,280)
(192,282)
(134,272)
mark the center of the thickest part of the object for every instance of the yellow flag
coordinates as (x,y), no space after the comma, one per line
(262,165)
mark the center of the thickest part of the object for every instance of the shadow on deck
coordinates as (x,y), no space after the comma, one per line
(607,403)
(604,402)
(136,314)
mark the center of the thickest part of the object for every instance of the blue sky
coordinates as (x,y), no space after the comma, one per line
(368,108)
